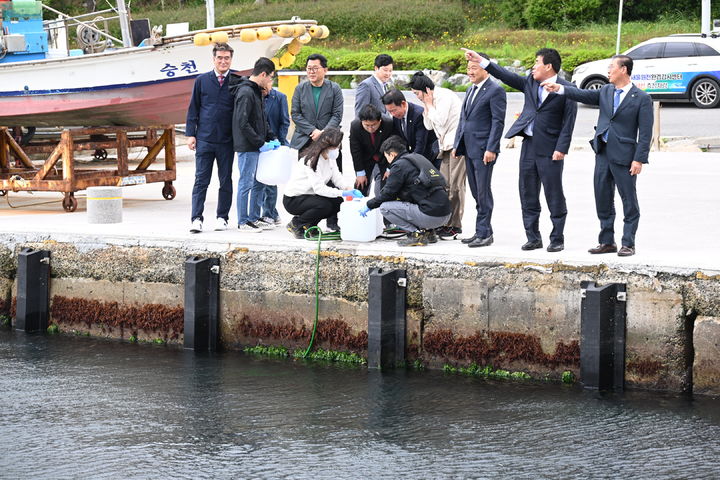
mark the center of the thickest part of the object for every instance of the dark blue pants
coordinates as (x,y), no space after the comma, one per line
(479,176)
(205,156)
(609,175)
(536,170)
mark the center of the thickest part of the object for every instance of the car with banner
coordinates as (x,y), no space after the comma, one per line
(683,67)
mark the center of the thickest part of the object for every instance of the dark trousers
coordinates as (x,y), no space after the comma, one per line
(609,175)
(310,209)
(205,155)
(479,176)
(536,170)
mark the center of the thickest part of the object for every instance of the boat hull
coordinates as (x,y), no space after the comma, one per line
(127,87)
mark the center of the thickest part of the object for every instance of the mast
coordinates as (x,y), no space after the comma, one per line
(210,11)
(124,24)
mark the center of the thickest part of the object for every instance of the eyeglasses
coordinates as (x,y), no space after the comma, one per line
(313,69)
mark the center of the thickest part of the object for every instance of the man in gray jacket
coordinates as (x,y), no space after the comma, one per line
(317,103)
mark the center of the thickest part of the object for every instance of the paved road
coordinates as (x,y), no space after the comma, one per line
(676,119)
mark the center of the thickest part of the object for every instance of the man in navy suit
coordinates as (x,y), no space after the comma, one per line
(408,123)
(546,125)
(478,139)
(208,128)
(371,90)
(621,144)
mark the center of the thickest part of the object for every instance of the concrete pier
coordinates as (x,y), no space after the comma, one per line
(496,305)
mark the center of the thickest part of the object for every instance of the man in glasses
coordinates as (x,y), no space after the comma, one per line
(317,104)
(209,133)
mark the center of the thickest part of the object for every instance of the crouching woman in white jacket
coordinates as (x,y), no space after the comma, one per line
(307,195)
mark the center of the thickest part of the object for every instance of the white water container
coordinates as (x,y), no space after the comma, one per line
(274,167)
(356,228)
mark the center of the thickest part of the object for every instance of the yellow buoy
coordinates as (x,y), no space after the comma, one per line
(276,61)
(299,29)
(294,47)
(285,31)
(304,38)
(201,39)
(219,37)
(248,35)
(287,59)
(263,33)
(325,31)
(315,31)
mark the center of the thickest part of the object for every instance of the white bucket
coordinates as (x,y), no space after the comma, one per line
(274,167)
(356,228)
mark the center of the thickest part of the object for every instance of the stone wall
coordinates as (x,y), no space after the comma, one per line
(513,316)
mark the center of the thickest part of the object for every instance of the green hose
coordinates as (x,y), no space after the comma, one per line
(317,283)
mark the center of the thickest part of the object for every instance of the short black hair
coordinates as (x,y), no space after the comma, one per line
(222,47)
(317,56)
(369,113)
(420,81)
(263,65)
(383,60)
(625,61)
(395,144)
(550,56)
(393,96)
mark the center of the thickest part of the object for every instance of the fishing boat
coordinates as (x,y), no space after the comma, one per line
(111,81)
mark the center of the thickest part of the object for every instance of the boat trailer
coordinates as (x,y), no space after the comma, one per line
(59,173)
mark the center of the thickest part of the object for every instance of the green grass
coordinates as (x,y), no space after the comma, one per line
(474,370)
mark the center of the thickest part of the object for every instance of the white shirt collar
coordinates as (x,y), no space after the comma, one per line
(217,74)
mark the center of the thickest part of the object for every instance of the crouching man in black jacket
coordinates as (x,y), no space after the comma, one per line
(414,196)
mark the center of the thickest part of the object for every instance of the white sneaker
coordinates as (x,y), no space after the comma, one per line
(277,221)
(265,223)
(249,227)
(221,224)
(196,226)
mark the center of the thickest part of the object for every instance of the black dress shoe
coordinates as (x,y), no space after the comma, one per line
(469,240)
(626,251)
(604,248)
(532,245)
(556,247)
(481,242)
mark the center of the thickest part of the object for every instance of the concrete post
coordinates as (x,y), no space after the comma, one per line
(104,204)
(602,331)
(33,290)
(202,300)
(386,318)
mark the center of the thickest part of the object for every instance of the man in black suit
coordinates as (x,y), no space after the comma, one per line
(478,139)
(408,123)
(367,133)
(546,124)
(621,144)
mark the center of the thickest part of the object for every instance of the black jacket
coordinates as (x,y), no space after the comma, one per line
(363,150)
(250,125)
(401,185)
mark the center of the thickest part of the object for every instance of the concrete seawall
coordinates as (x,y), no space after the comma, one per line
(513,315)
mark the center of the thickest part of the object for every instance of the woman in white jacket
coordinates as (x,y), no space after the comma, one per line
(307,195)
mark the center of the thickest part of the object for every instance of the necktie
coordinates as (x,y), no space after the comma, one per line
(616,104)
(540,93)
(470,97)
(386,88)
(221,79)
(616,100)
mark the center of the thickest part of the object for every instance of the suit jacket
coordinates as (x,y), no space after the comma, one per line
(369,91)
(209,116)
(629,128)
(362,149)
(276,108)
(327,115)
(482,122)
(419,139)
(554,119)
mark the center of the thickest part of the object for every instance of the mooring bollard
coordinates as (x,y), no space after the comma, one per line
(386,318)
(104,204)
(202,295)
(33,290)
(602,332)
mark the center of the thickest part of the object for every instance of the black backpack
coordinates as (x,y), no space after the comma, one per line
(428,176)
